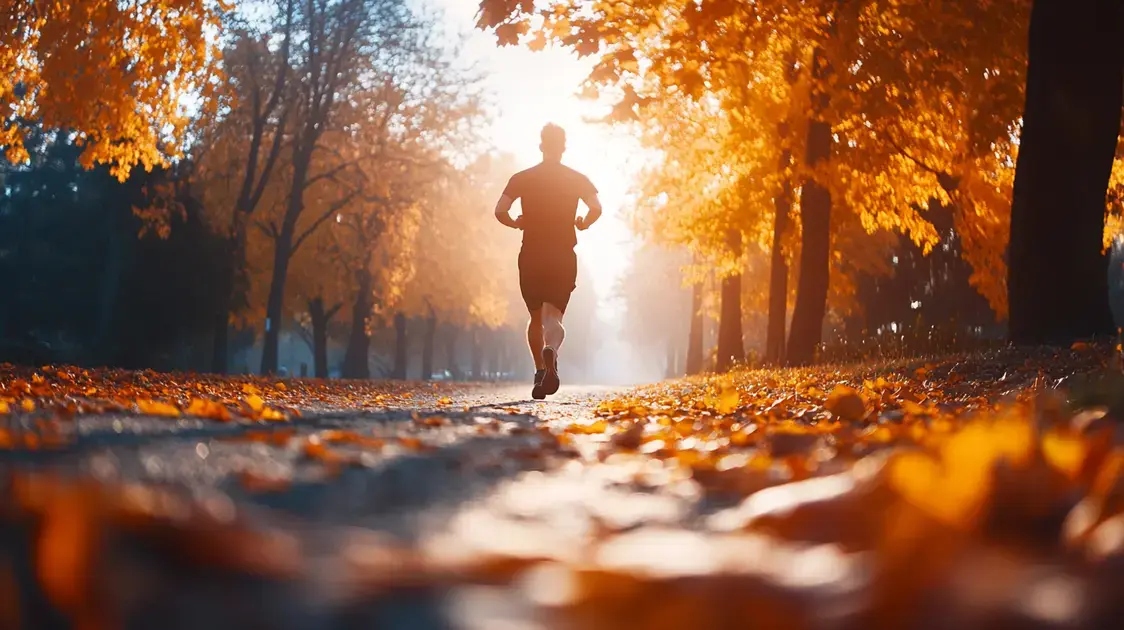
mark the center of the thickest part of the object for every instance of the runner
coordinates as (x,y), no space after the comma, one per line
(548,266)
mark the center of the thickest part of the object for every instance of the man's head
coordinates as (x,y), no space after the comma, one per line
(553,142)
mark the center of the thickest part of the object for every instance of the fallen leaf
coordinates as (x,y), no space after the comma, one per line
(210,409)
(255,403)
(846,404)
(157,408)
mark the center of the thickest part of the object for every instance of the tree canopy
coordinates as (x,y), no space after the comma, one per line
(118,75)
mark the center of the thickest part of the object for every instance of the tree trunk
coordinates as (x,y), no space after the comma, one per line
(478,338)
(815,242)
(427,345)
(401,346)
(493,350)
(671,368)
(451,353)
(320,317)
(283,250)
(275,303)
(695,336)
(220,334)
(356,360)
(778,273)
(108,338)
(1057,278)
(235,284)
(220,340)
(731,347)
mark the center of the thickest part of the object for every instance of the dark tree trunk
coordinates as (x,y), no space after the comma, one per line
(778,273)
(220,334)
(695,336)
(356,363)
(451,352)
(282,254)
(1057,279)
(401,347)
(117,245)
(276,302)
(220,339)
(815,242)
(731,347)
(479,335)
(234,288)
(320,317)
(428,338)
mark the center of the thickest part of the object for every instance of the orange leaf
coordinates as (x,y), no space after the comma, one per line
(210,409)
(273,414)
(846,404)
(157,408)
(255,403)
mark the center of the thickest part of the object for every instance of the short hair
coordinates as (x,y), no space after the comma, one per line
(553,137)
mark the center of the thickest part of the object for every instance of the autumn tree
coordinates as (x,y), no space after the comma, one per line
(1071,124)
(113,73)
(405,129)
(882,106)
(462,280)
(239,148)
(80,286)
(344,46)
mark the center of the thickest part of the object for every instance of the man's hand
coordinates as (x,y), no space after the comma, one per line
(503,213)
(594,205)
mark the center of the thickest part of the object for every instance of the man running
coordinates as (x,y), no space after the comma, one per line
(548,267)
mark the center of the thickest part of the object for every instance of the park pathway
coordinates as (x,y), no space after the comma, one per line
(446,474)
(970,491)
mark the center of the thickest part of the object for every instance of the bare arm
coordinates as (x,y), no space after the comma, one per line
(594,204)
(503,213)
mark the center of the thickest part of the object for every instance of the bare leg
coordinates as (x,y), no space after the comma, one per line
(552,331)
(535,338)
(553,334)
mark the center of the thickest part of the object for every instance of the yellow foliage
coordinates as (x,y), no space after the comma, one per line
(115,73)
(726,87)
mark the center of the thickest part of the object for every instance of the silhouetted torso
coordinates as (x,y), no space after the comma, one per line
(550,193)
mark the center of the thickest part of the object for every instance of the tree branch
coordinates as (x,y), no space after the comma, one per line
(279,84)
(330,173)
(947,181)
(322,218)
(270,229)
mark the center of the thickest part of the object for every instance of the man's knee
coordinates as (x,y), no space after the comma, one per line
(551,313)
(536,317)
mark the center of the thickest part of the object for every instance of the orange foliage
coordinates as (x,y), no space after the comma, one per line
(725,88)
(114,73)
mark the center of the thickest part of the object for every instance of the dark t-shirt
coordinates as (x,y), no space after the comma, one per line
(550,194)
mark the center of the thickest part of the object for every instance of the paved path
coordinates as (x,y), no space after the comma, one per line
(475,508)
(447,477)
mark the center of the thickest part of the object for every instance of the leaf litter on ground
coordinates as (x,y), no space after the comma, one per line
(970,491)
